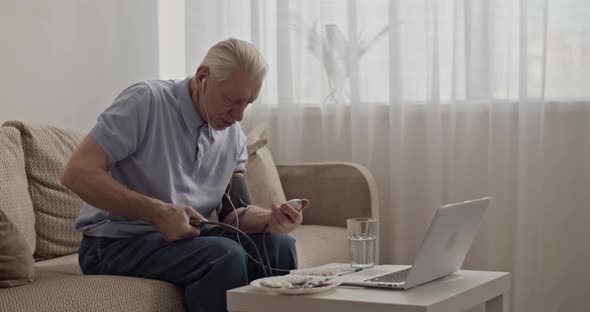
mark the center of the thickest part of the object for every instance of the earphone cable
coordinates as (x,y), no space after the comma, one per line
(205,105)
(261,263)
(231,227)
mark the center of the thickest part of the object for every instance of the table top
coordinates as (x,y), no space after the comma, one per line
(456,292)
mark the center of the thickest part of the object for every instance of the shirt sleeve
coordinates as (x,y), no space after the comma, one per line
(120,129)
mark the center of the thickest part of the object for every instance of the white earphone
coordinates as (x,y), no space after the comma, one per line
(205,106)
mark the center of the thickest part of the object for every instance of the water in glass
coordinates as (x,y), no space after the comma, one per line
(362,250)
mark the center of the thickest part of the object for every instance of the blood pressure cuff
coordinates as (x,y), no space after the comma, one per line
(237,192)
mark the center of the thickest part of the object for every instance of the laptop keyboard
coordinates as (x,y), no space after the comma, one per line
(395,277)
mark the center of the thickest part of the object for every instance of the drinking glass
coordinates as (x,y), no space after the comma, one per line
(362,241)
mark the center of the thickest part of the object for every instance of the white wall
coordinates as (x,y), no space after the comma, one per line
(62,62)
(172,34)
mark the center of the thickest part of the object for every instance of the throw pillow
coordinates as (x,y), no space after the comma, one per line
(16,258)
(47,150)
(15,201)
(261,174)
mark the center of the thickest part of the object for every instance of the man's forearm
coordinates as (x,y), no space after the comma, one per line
(254,220)
(99,189)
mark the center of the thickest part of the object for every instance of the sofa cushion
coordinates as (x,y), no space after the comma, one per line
(47,150)
(16,202)
(69,259)
(261,174)
(63,288)
(318,245)
(16,258)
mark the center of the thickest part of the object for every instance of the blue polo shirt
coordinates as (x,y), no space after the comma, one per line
(162,148)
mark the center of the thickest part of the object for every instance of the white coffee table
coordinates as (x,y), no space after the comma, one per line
(458,292)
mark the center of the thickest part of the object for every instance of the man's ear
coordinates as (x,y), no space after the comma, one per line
(202,73)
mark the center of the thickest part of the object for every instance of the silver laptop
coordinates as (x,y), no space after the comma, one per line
(442,252)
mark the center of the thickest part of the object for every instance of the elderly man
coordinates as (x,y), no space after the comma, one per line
(167,152)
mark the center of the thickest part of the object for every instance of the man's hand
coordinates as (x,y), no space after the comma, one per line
(284,218)
(172,221)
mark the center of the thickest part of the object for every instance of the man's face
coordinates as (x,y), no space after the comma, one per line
(227,100)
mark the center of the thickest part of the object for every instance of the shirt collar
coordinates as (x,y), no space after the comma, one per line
(190,115)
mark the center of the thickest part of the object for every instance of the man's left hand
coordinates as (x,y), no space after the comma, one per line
(284,218)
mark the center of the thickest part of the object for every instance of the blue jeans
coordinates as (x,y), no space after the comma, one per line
(205,266)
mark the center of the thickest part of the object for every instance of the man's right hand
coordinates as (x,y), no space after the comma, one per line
(172,221)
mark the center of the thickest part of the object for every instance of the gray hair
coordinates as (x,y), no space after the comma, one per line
(230,54)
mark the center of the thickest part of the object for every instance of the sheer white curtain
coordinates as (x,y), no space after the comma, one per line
(443,101)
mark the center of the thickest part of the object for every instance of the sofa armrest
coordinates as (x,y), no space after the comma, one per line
(337,191)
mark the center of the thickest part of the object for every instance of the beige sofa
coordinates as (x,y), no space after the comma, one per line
(32,159)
